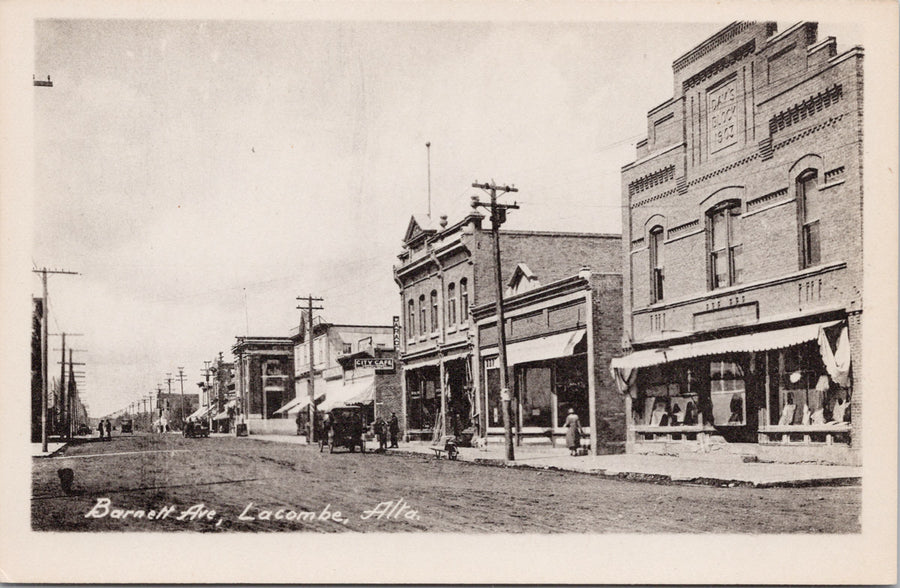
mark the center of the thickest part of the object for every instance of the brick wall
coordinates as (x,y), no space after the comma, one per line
(607,305)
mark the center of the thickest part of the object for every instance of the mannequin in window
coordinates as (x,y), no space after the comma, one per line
(737,410)
(660,416)
(787,413)
(690,414)
(839,413)
(676,418)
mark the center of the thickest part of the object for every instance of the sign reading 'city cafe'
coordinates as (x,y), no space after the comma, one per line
(381,364)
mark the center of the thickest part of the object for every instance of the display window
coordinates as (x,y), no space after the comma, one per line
(728,395)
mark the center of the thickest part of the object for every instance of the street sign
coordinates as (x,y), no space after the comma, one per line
(381,364)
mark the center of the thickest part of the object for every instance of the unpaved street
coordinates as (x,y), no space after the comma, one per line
(171,484)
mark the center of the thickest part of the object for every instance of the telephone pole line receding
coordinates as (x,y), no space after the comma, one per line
(44,352)
(498,217)
(311,429)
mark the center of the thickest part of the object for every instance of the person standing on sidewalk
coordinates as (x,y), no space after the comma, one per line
(381,432)
(573,432)
(394,427)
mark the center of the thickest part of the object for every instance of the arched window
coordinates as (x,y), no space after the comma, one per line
(463,300)
(411,320)
(434,311)
(809,208)
(656,264)
(422,311)
(725,245)
(451,303)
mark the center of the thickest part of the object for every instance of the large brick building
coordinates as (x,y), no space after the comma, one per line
(444,272)
(742,218)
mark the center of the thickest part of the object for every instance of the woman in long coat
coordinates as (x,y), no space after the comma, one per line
(573,432)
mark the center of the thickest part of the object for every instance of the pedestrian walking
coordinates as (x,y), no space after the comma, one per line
(100,427)
(573,432)
(381,432)
(394,429)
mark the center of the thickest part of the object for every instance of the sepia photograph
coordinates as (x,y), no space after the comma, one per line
(362,282)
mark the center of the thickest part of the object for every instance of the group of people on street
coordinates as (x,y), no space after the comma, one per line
(385,429)
(105,429)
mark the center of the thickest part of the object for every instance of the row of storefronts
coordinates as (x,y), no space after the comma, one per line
(724,320)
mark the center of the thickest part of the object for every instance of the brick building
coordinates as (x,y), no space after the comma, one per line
(742,218)
(354,365)
(264,382)
(561,337)
(446,270)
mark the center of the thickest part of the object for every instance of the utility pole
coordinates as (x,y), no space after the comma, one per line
(66,404)
(310,337)
(206,373)
(44,352)
(181,380)
(498,217)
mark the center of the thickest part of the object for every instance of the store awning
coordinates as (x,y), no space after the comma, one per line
(297,404)
(200,412)
(224,414)
(366,395)
(339,393)
(741,344)
(548,347)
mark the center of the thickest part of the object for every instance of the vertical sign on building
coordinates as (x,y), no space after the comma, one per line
(721,116)
(396,325)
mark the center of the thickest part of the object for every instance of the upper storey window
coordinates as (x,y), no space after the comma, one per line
(451,303)
(725,245)
(422,315)
(808,199)
(434,311)
(656,264)
(411,320)
(463,300)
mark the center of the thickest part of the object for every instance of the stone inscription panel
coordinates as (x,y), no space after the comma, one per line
(721,116)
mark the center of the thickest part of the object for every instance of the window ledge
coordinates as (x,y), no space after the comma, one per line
(423,338)
(451,329)
(463,326)
(435,334)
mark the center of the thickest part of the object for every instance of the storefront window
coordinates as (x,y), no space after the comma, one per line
(492,385)
(571,389)
(727,392)
(534,392)
(806,395)
(423,400)
(668,397)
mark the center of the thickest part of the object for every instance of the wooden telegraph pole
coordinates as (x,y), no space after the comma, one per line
(310,337)
(498,217)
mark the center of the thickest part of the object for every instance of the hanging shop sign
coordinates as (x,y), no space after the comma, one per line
(381,364)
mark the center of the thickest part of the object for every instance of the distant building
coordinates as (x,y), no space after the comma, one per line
(264,383)
(742,217)
(445,271)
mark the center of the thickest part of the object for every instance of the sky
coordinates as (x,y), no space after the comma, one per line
(201,175)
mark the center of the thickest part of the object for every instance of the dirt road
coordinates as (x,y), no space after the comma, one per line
(171,484)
